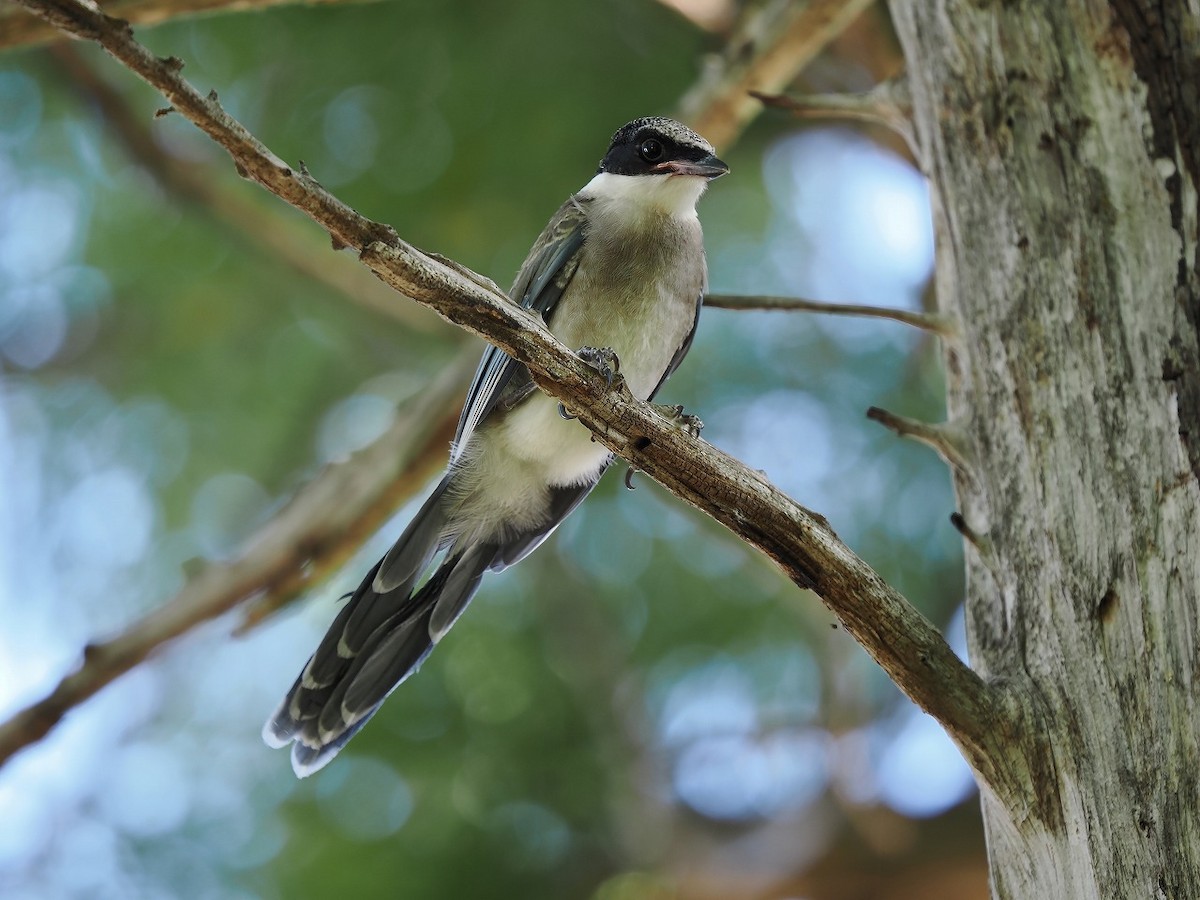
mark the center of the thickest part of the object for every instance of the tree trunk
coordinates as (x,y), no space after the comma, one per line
(1062,142)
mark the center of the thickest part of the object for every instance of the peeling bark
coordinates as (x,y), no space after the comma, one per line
(1062,141)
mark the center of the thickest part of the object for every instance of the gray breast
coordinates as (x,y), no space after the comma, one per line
(635,291)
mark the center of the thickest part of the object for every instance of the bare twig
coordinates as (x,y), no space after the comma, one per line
(900,639)
(322,525)
(772,43)
(888,104)
(947,439)
(940,325)
(19,29)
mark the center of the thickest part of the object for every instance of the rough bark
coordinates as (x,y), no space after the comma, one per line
(1062,141)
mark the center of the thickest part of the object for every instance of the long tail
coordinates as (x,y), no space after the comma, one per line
(389,626)
(378,639)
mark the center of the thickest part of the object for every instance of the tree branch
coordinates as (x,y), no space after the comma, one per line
(771,44)
(948,439)
(888,104)
(897,636)
(940,325)
(310,538)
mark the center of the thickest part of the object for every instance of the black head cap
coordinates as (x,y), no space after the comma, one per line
(659,146)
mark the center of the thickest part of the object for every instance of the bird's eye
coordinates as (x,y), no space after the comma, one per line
(651,150)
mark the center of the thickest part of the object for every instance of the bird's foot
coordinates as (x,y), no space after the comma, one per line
(685,422)
(629,473)
(603,360)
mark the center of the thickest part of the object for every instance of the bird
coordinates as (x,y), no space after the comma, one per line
(620,273)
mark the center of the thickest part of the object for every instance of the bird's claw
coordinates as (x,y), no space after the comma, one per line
(603,360)
(685,422)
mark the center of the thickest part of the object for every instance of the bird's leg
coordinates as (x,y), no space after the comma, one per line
(603,360)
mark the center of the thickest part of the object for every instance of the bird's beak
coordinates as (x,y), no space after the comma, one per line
(708,167)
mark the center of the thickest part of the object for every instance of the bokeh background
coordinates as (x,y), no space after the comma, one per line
(645,708)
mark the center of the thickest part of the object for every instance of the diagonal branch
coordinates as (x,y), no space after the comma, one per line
(771,45)
(773,42)
(896,635)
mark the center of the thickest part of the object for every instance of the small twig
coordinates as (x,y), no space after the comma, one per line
(946,438)
(888,103)
(940,325)
(322,525)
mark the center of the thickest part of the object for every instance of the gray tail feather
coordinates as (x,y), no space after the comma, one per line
(377,640)
(386,630)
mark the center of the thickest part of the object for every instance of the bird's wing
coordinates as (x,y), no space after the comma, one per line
(686,345)
(682,350)
(540,283)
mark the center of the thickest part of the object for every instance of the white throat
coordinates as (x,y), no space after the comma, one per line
(635,196)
